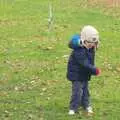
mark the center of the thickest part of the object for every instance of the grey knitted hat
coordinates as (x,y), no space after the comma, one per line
(90,34)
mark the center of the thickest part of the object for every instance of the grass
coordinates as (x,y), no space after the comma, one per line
(33,61)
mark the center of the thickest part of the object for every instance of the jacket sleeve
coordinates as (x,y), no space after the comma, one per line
(93,55)
(82,60)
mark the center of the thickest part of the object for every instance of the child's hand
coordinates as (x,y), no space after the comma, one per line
(98,71)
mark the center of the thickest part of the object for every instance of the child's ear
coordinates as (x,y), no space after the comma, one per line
(97,45)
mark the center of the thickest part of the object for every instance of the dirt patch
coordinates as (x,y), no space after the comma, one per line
(106,3)
(113,3)
(109,7)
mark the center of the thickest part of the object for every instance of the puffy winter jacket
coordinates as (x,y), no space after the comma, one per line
(81,63)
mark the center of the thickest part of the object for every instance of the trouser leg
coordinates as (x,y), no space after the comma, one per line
(85,100)
(76,95)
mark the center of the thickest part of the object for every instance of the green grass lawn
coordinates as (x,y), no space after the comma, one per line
(33,59)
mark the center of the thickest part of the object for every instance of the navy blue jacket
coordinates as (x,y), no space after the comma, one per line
(81,64)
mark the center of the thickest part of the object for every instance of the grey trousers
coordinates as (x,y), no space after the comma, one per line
(80,95)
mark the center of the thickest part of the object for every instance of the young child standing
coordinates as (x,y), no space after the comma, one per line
(81,67)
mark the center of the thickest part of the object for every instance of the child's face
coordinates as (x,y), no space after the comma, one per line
(90,44)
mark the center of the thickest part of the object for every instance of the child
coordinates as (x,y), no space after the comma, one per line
(81,67)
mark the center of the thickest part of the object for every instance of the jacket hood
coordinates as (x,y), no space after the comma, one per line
(75,42)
